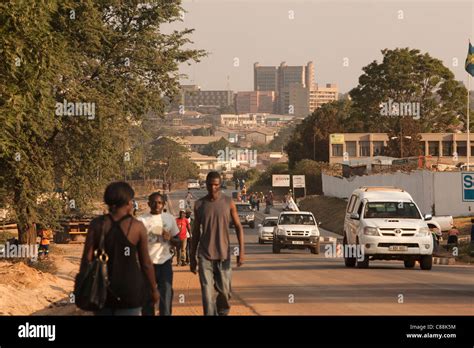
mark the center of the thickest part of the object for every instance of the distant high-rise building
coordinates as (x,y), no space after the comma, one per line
(279,79)
(304,100)
(255,101)
(264,78)
(194,97)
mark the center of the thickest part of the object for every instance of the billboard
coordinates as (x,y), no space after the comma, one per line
(281,180)
(299,181)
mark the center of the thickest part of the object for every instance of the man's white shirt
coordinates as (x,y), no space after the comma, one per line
(158,248)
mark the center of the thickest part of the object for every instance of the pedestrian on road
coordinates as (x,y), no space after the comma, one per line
(184,228)
(212,215)
(188,243)
(122,232)
(453,234)
(162,230)
(45,234)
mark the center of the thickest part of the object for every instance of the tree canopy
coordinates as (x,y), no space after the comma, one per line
(110,55)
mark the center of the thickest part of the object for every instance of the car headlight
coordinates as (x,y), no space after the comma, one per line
(314,232)
(371,231)
(280,231)
(423,232)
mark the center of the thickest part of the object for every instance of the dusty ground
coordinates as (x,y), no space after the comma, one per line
(27,291)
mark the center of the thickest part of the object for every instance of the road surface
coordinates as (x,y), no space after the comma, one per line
(296,282)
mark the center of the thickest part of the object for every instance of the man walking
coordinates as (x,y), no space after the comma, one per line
(212,215)
(161,228)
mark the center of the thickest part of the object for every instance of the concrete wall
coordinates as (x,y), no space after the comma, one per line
(427,188)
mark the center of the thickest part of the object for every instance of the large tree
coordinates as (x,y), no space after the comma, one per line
(170,161)
(310,138)
(110,53)
(409,76)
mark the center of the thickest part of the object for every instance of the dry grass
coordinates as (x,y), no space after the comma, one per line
(329,210)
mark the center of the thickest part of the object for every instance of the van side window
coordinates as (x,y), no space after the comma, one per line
(350,206)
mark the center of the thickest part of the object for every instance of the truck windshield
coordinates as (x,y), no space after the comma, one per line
(243,208)
(296,219)
(383,210)
(270,223)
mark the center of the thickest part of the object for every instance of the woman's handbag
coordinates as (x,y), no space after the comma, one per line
(92,282)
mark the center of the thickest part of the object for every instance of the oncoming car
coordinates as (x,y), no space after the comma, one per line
(386,224)
(193,184)
(265,229)
(296,230)
(246,214)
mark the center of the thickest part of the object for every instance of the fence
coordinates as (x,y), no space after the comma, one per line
(434,192)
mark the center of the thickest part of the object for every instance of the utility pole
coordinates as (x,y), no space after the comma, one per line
(401,138)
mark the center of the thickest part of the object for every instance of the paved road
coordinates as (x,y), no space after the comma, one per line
(300,283)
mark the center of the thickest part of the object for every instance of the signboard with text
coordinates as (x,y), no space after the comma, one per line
(467,186)
(281,180)
(336,138)
(299,181)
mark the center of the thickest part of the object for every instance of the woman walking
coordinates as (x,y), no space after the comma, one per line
(126,246)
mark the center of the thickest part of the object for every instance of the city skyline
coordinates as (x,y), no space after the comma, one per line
(238,33)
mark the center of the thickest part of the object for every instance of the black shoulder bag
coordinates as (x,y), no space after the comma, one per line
(92,282)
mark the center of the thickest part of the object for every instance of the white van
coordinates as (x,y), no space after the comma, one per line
(384,223)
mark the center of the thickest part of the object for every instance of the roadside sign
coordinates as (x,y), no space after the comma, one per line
(299,181)
(336,139)
(467,186)
(281,180)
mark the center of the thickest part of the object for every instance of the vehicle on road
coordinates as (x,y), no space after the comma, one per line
(265,229)
(246,214)
(442,222)
(384,223)
(193,184)
(296,230)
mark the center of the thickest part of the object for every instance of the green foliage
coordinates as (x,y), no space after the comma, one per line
(406,75)
(406,127)
(203,131)
(279,142)
(310,138)
(214,147)
(169,161)
(111,53)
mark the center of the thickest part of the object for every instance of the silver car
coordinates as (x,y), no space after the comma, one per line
(265,229)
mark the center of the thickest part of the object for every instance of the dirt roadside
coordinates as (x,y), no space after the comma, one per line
(27,291)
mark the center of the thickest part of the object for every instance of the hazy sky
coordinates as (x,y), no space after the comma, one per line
(325,32)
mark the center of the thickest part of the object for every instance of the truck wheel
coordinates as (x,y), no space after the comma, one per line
(426,262)
(276,248)
(364,263)
(252,224)
(315,250)
(409,263)
(348,261)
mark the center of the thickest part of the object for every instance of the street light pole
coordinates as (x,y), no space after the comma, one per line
(314,147)
(401,138)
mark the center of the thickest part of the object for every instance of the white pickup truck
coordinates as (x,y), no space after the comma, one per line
(442,222)
(384,223)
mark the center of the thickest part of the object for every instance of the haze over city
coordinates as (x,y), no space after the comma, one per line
(270,32)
